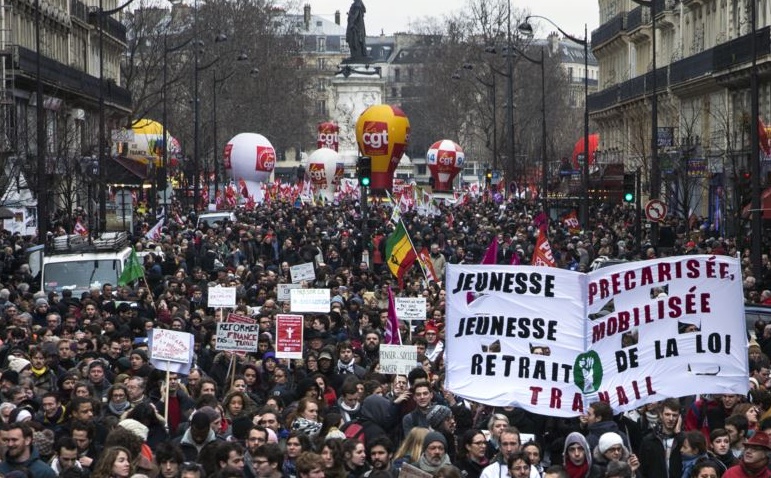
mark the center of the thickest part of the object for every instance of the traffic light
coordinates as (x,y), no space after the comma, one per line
(364,170)
(745,187)
(630,184)
(489,177)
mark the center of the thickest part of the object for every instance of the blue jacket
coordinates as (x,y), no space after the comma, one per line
(37,467)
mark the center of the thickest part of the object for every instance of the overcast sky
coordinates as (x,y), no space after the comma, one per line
(391,16)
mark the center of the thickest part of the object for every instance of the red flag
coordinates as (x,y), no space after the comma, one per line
(541,221)
(392,335)
(80,228)
(515,258)
(491,256)
(542,255)
(424,259)
(571,222)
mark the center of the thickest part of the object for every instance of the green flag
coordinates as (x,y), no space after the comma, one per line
(132,270)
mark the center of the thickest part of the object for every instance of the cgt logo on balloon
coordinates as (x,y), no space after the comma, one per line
(317,174)
(328,136)
(375,138)
(266,158)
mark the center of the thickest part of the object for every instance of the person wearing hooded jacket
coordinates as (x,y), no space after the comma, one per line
(611,448)
(377,417)
(577,458)
(22,454)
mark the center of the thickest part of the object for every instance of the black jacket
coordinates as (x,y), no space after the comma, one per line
(653,456)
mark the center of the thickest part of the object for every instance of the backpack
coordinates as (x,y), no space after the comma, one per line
(355,431)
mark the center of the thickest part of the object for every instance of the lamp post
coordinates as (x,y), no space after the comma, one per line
(42,191)
(526,29)
(215,82)
(102,13)
(755,219)
(655,173)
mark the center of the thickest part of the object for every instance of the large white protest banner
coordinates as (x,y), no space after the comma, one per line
(552,341)
(233,336)
(310,300)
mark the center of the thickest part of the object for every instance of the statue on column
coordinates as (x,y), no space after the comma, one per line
(355,34)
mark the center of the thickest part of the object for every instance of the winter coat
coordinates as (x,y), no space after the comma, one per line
(37,467)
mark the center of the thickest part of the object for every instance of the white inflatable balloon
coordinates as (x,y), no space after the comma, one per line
(251,157)
(324,169)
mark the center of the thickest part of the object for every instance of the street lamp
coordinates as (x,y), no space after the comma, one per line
(219,81)
(526,29)
(655,174)
(755,220)
(102,13)
(42,191)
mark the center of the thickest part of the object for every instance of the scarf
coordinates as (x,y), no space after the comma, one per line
(688,463)
(55,420)
(756,469)
(345,368)
(38,372)
(118,409)
(577,471)
(288,468)
(424,465)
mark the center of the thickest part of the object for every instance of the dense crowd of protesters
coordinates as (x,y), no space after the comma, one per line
(80,397)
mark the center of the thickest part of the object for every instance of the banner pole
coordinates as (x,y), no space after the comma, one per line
(166,397)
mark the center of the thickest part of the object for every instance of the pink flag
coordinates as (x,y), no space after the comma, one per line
(515,258)
(491,256)
(392,336)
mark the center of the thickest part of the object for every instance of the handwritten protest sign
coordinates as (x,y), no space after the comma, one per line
(552,341)
(289,337)
(171,346)
(410,308)
(221,297)
(233,336)
(398,359)
(302,272)
(282,291)
(310,300)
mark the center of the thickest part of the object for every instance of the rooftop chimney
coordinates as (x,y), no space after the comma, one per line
(307,16)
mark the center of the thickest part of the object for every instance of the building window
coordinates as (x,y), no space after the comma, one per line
(397,75)
(321,84)
(394,92)
(321,107)
(321,63)
(321,44)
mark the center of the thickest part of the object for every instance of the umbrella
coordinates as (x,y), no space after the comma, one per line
(594,141)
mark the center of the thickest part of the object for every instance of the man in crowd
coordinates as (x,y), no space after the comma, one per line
(195,437)
(660,448)
(380,452)
(20,454)
(423,397)
(268,460)
(66,456)
(509,444)
(754,460)
(434,454)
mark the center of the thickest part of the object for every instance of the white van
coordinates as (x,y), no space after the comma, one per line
(74,263)
(210,218)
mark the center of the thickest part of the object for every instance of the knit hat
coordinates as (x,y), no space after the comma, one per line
(44,442)
(609,440)
(200,421)
(431,437)
(11,375)
(40,302)
(437,415)
(22,415)
(17,364)
(272,437)
(141,353)
(135,427)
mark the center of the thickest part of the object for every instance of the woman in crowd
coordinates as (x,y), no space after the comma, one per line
(471,453)
(334,459)
(411,447)
(355,458)
(115,462)
(296,444)
(117,401)
(497,423)
(306,418)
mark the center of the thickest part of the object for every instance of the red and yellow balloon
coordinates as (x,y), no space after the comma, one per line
(383,133)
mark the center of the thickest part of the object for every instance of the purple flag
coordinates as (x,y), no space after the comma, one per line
(392,335)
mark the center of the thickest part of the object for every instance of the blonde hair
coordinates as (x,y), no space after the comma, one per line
(412,446)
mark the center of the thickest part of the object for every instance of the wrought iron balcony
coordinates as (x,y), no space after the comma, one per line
(609,30)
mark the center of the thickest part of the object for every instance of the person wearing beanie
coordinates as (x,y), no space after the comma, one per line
(611,448)
(434,346)
(197,436)
(577,458)
(434,454)
(441,419)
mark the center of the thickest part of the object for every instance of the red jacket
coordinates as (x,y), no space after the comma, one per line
(737,471)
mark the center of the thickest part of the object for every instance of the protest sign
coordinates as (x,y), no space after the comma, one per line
(302,272)
(398,359)
(552,341)
(310,300)
(221,297)
(171,346)
(240,319)
(233,336)
(289,336)
(410,308)
(282,291)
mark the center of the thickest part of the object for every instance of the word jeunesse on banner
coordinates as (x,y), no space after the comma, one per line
(553,342)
